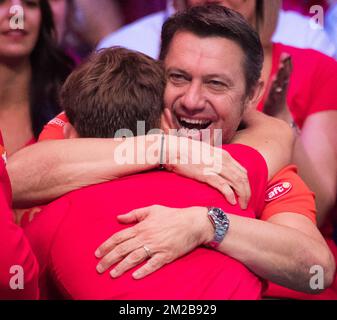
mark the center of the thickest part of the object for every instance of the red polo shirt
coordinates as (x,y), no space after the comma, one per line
(66,234)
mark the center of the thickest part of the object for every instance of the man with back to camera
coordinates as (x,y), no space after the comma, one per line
(65,234)
(279,223)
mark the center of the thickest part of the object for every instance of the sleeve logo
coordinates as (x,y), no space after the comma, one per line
(277,191)
(58,120)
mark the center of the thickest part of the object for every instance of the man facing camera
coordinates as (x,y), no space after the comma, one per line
(111,91)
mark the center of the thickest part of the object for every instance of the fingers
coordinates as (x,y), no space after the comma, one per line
(283,74)
(155,263)
(237,177)
(133,216)
(113,241)
(225,185)
(117,254)
(229,178)
(221,184)
(276,100)
(133,259)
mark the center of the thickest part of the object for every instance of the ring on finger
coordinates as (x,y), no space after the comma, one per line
(148,252)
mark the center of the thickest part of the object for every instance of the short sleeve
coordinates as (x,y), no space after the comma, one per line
(53,130)
(287,192)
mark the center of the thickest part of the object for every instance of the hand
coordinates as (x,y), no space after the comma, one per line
(276,103)
(167,234)
(202,162)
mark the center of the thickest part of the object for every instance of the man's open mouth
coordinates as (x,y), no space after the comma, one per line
(195,124)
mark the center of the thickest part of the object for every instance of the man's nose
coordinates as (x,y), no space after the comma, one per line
(193,101)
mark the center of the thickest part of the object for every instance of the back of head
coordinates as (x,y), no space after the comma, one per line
(217,21)
(112,90)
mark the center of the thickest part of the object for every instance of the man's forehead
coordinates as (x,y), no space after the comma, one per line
(188,50)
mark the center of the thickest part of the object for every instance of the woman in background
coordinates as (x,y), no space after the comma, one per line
(32,68)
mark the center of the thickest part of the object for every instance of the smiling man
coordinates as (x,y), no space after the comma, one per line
(204,90)
(95,101)
(282,246)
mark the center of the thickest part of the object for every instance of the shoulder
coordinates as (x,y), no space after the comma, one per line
(244,154)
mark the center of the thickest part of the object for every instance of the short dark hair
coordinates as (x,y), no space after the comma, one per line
(113,90)
(217,21)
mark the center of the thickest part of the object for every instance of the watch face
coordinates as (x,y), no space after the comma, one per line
(219,213)
(220,217)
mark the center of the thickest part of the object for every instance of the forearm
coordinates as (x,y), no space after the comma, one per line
(47,170)
(275,252)
(271,137)
(323,185)
(315,155)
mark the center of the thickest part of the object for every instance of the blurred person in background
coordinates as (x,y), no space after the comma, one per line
(136,9)
(144,34)
(90,21)
(32,68)
(331,22)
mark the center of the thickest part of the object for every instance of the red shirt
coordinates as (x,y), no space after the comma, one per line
(15,249)
(66,234)
(313,82)
(312,89)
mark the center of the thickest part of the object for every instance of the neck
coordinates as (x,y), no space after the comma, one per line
(15,79)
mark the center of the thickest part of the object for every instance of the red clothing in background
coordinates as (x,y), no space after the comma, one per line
(312,89)
(15,249)
(313,82)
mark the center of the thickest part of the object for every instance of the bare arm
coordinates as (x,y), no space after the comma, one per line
(44,171)
(60,166)
(315,154)
(282,249)
(272,137)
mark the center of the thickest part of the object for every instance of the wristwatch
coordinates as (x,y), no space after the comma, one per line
(221,225)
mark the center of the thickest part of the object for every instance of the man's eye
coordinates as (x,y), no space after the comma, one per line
(177,78)
(217,84)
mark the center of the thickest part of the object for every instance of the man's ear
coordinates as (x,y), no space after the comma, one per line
(69,131)
(255,96)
